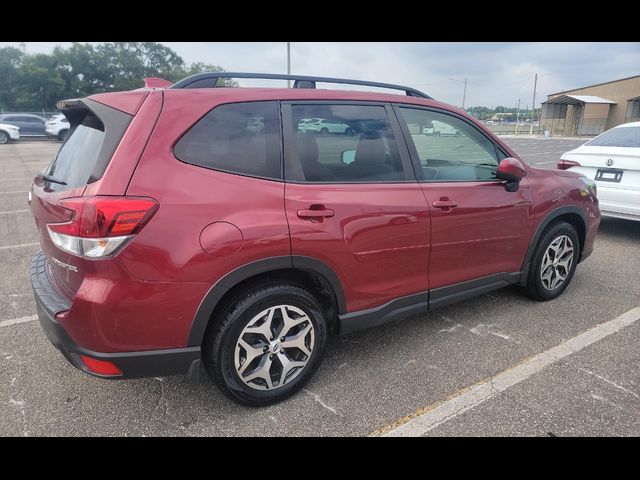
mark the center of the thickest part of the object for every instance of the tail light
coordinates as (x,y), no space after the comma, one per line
(100,226)
(567,164)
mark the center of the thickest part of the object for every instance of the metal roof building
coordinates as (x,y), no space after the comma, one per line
(592,110)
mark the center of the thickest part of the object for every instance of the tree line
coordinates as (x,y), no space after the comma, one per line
(485,113)
(35,82)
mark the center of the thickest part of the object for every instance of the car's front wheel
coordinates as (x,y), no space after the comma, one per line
(268,344)
(62,135)
(554,262)
(4,137)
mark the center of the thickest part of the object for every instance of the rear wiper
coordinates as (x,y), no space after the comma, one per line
(51,179)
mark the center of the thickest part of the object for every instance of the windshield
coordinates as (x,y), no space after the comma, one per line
(618,137)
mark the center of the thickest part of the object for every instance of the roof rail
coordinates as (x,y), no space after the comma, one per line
(210,80)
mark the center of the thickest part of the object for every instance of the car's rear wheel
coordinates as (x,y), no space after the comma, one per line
(350,132)
(269,343)
(62,135)
(4,137)
(554,262)
(324,131)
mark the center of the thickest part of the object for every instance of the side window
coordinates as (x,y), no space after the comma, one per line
(342,144)
(241,138)
(449,148)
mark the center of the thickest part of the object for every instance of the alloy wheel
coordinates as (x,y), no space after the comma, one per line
(556,263)
(274,347)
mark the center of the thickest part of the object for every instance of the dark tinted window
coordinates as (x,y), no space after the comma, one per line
(78,155)
(343,144)
(449,148)
(618,137)
(239,138)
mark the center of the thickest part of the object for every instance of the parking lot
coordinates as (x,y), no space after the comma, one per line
(498,364)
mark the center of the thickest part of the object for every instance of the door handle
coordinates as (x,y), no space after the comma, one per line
(316,211)
(445,204)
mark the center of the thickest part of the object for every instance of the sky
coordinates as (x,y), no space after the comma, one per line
(497,73)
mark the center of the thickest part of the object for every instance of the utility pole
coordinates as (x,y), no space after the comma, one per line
(533,104)
(517,116)
(288,63)
(464,93)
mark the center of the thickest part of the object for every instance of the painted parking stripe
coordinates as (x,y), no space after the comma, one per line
(15,321)
(21,245)
(13,211)
(15,191)
(430,417)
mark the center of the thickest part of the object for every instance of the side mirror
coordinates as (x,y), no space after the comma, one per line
(512,171)
(348,156)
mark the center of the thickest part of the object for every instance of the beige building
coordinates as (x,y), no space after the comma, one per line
(592,110)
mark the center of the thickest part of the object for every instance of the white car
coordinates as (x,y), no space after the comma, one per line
(8,132)
(612,160)
(325,127)
(437,128)
(57,127)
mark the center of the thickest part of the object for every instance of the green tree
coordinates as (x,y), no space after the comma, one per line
(10,63)
(36,82)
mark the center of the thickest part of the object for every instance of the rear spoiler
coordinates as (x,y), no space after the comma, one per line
(155,82)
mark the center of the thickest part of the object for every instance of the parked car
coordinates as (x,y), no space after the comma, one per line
(8,133)
(325,127)
(439,128)
(174,239)
(612,160)
(57,127)
(29,125)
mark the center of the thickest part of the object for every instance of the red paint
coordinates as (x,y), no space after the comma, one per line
(383,241)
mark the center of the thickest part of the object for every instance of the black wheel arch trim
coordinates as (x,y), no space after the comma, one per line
(233,278)
(551,216)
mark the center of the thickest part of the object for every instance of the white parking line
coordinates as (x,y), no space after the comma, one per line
(15,321)
(15,179)
(14,211)
(7,247)
(15,191)
(428,418)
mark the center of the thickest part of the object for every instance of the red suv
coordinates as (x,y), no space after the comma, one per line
(193,225)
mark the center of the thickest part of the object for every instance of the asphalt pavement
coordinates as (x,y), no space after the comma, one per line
(377,381)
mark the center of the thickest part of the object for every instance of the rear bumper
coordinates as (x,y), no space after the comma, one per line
(148,363)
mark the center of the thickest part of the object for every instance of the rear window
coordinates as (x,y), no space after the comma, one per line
(96,131)
(241,138)
(77,157)
(618,137)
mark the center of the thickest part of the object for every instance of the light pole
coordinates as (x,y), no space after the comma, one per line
(464,93)
(517,116)
(288,63)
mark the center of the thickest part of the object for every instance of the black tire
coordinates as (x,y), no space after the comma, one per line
(62,135)
(535,288)
(324,131)
(4,137)
(220,341)
(349,132)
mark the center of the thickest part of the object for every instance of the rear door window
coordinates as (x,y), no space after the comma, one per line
(240,138)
